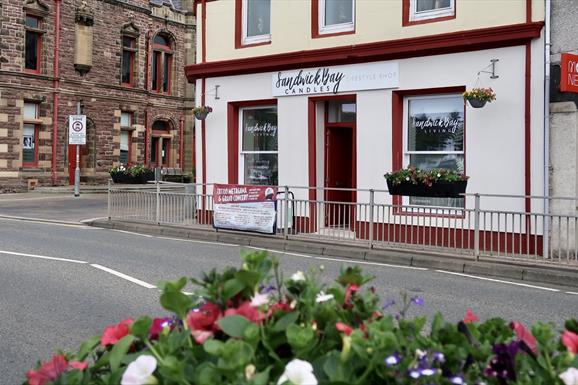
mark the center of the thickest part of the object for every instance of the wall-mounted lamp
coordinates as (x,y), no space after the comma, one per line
(214,91)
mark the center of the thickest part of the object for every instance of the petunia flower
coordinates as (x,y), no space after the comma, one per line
(248,311)
(203,321)
(78,365)
(570,376)
(470,317)
(457,380)
(260,299)
(524,335)
(322,297)
(298,277)
(349,291)
(298,372)
(48,372)
(114,333)
(417,300)
(570,340)
(344,328)
(392,360)
(140,372)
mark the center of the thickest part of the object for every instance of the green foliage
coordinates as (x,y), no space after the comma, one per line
(416,176)
(247,326)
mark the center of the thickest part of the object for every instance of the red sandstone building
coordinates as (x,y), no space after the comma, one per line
(121,61)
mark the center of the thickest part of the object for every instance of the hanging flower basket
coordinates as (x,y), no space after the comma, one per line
(441,183)
(202,112)
(478,97)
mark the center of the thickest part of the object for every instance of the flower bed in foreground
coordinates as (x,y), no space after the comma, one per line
(251,326)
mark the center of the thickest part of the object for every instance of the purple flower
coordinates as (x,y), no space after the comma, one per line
(415,374)
(417,300)
(266,289)
(392,360)
(438,357)
(502,365)
(457,380)
(387,304)
(427,372)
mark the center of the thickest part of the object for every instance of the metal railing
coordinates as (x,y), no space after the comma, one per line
(480,225)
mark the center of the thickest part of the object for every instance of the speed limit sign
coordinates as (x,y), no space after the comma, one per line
(77,129)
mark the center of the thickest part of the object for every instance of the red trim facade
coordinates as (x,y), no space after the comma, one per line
(239,28)
(406,9)
(315,22)
(472,40)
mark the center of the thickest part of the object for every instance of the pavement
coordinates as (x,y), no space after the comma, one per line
(58,204)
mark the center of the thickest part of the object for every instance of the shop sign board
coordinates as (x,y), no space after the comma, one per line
(569,73)
(326,80)
(245,208)
(77,129)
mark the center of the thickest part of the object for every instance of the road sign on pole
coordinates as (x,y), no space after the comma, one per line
(77,129)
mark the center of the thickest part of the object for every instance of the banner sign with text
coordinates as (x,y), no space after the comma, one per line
(245,208)
(325,80)
(569,73)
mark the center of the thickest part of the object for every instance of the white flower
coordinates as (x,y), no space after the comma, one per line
(299,276)
(407,178)
(250,371)
(420,353)
(260,300)
(570,376)
(139,372)
(439,175)
(322,297)
(298,372)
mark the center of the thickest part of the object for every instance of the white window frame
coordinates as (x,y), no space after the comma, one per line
(414,15)
(247,40)
(406,153)
(242,153)
(334,28)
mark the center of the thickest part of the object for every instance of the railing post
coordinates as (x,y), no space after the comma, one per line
(286,213)
(108,201)
(477,227)
(371,205)
(158,203)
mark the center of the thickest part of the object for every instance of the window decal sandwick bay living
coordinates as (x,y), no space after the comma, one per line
(325,80)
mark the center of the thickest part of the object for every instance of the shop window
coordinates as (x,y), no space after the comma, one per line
(256,21)
(336,16)
(339,112)
(30,135)
(125,137)
(162,62)
(160,144)
(434,127)
(33,44)
(258,145)
(128,60)
(430,9)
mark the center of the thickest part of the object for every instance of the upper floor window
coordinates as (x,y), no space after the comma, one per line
(33,44)
(162,62)
(431,9)
(128,60)
(256,20)
(336,16)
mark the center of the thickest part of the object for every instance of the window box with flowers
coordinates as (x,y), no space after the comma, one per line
(441,183)
(478,97)
(137,174)
(201,112)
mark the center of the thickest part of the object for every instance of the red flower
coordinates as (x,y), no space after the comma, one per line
(114,333)
(470,317)
(48,372)
(344,328)
(570,340)
(349,291)
(524,335)
(280,306)
(79,365)
(203,321)
(246,310)
(158,325)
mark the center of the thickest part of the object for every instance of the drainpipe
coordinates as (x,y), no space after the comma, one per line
(56,86)
(547,45)
(181,143)
(146,86)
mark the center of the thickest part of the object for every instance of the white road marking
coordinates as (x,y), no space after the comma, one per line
(203,242)
(571,292)
(41,221)
(124,276)
(41,257)
(498,280)
(338,259)
(133,233)
(92,220)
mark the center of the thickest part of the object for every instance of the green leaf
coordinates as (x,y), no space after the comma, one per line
(176,302)
(285,321)
(177,285)
(235,355)
(248,278)
(140,328)
(336,370)
(261,378)
(87,346)
(251,333)
(213,347)
(300,337)
(234,325)
(437,324)
(207,374)
(119,351)
(231,288)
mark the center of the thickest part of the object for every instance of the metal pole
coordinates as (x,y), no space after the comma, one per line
(158,204)
(108,201)
(77,169)
(371,204)
(286,213)
(477,227)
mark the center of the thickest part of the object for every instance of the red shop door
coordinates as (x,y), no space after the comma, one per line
(339,159)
